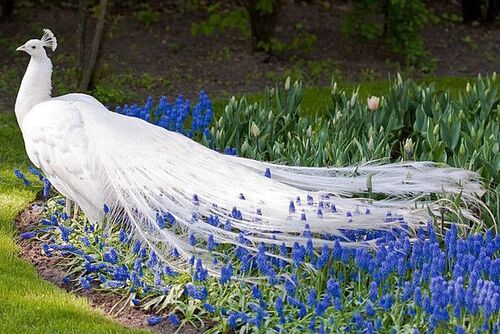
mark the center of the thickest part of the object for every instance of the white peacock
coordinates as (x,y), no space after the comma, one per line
(94,157)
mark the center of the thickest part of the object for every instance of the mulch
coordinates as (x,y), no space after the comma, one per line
(48,269)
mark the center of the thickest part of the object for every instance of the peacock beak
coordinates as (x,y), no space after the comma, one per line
(21,48)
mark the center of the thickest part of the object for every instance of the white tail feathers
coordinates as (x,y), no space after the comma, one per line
(49,40)
(208,195)
(179,198)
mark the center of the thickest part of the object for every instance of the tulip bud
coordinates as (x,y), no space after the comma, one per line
(255,130)
(287,83)
(435,132)
(244,146)
(370,144)
(373,103)
(276,149)
(334,88)
(461,150)
(409,147)
(270,116)
(354,97)
(309,132)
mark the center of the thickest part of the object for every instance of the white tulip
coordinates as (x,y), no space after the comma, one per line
(373,103)
(255,130)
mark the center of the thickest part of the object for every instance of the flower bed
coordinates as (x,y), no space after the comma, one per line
(408,281)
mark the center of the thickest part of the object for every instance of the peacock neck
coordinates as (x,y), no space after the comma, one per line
(35,87)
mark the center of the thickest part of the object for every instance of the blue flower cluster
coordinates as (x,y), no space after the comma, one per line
(175,117)
(431,284)
(47,186)
(22,177)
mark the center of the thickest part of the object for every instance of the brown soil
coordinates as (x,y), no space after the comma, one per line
(47,267)
(222,65)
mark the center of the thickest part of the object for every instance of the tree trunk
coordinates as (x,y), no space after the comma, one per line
(493,10)
(471,10)
(96,45)
(80,47)
(385,10)
(6,8)
(262,23)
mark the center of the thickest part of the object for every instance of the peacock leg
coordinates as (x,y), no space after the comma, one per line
(76,210)
(69,204)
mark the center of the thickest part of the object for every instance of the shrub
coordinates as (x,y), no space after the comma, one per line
(256,20)
(402,20)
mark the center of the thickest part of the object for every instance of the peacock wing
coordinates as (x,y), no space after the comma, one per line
(57,141)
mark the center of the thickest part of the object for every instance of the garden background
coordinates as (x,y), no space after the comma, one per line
(176,48)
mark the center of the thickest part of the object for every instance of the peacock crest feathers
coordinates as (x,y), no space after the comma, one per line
(49,40)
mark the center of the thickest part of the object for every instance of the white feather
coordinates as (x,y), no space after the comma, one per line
(49,40)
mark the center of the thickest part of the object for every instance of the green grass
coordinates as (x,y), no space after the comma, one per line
(29,304)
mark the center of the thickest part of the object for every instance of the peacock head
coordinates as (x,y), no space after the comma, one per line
(35,47)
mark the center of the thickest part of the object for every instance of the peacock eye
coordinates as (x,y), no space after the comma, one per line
(33,47)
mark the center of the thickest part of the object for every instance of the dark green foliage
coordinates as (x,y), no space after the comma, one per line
(255,20)
(400,26)
(362,22)
(403,20)
(147,15)
(221,21)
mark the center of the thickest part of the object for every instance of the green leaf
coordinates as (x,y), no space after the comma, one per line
(455,134)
